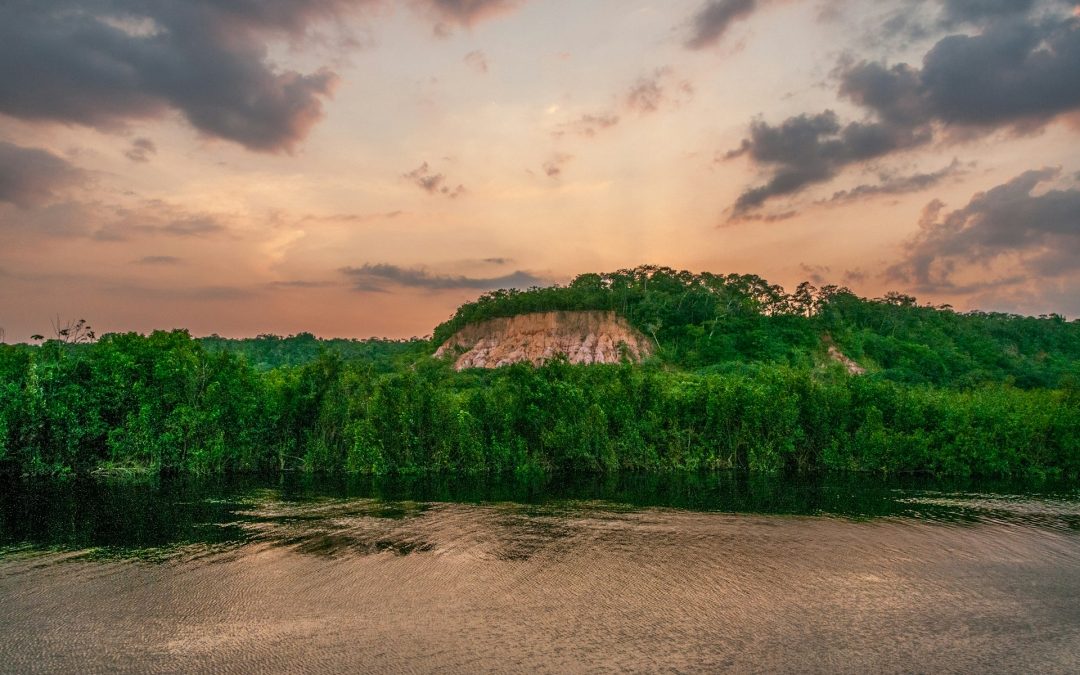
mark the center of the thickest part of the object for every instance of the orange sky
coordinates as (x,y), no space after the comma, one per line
(361,167)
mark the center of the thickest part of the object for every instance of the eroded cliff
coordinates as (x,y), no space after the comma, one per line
(584,337)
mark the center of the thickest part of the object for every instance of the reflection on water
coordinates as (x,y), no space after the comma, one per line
(638,573)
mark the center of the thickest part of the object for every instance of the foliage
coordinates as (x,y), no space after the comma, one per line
(267,351)
(709,321)
(741,381)
(166,403)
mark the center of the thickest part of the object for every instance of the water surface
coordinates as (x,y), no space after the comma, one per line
(645,574)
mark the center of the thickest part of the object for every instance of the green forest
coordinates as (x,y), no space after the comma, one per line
(741,378)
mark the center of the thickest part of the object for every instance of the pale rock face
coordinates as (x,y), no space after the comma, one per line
(584,337)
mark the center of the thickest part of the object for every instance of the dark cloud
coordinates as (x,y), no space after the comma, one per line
(467,12)
(105,63)
(376,276)
(1039,232)
(433,183)
(1015,74)
(652,91)
(923,19)
(763,217)
(714,18)
(140,150)
(30,177)
(449,13)
(897,185)
(553,167)
(158,260)
(812,149)
(497,261)
(977,11)
(477,60)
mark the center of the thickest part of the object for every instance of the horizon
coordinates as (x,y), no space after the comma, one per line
(59,322)
(353,168)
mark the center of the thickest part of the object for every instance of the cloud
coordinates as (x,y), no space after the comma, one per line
(31,177)
(815,273)
(140,150)
(763,217)
(714,18)
(433,183)
(1016,74)
(1036,234)
(151,217)
(55,219)
(497,261)
(897,185)
(1013,74)
(106,63)
(302,283)
(376,276)
(112,222)
(588,125)
(811,149)
(158,260)
(477,60)
(977,11)
(554,166)
(855,276)
(464,13)
(914,20)
(193,226)
(646,95)
(651,91)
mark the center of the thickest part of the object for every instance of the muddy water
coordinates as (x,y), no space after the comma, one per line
(681,574)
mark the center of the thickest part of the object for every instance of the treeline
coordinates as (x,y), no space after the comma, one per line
(168,403)
(742,379)
(266,352)
(708,321)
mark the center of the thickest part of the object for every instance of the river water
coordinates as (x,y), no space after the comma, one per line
(700,573)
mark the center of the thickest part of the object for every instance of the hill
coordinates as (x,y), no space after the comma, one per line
(703,322)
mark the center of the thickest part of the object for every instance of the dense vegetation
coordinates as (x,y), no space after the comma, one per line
(701,321)
(267,352)
(742,380)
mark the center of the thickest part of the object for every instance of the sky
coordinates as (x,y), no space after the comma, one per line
(358,168)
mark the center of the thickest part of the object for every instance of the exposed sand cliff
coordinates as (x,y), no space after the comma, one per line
(584,337)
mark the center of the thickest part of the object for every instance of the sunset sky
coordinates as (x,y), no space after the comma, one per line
(361,167)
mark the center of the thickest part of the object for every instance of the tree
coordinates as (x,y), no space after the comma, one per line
(75,333)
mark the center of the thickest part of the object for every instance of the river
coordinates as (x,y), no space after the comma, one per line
(700,573)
